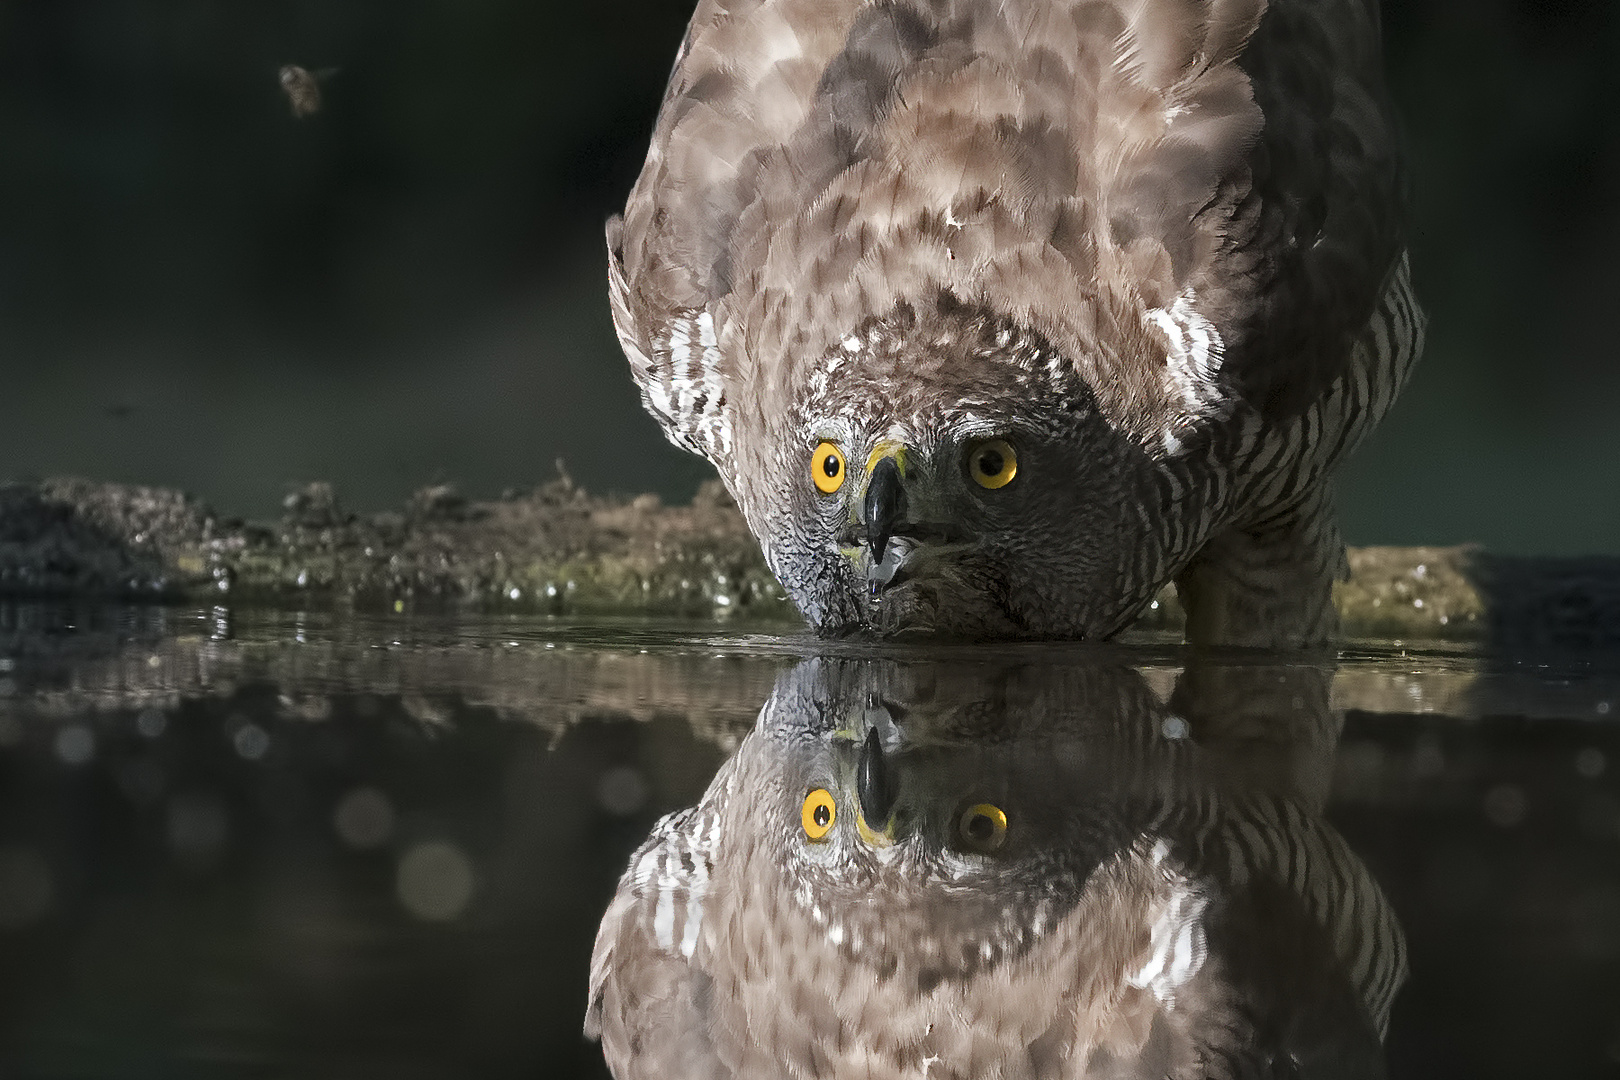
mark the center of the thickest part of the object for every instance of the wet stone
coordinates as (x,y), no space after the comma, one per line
(561,550)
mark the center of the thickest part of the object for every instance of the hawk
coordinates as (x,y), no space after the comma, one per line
(996,316)
(925,871)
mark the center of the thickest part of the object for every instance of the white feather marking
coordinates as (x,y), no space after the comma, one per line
(1176,942)
(664,915)
(694,905)
(706,338)
(1194,357)
(691,391)
(646,867)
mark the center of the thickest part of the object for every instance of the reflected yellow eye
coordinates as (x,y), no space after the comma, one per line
(827,468)
(982,827)
(818,814)
(993,463)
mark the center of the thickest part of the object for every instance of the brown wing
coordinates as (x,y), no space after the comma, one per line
(1313,245)
(1193,199)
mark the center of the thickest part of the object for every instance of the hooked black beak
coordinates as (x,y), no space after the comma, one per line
(885,502)
(874,784)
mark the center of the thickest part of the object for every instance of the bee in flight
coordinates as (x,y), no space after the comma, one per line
(303,88)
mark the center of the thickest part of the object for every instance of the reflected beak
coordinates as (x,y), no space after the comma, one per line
(876,788)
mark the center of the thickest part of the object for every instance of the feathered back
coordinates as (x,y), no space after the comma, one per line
(1167,190)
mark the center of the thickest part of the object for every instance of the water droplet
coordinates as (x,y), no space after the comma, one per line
(151,723)
(251,741)
(515,593)
(364,818)
(435,881)
(75,744)
(1590,762)
(622,790)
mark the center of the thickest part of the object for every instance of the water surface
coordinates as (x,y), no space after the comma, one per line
(273,844)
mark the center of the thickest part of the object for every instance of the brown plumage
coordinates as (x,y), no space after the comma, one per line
(1152,245)
(1162,899)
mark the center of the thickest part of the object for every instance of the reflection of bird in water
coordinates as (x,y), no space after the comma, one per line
(303,88)
(1032,872)
(998,315)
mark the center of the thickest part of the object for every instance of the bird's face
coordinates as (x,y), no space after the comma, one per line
(919,780)
(865,807)
(951,478)
(878,838)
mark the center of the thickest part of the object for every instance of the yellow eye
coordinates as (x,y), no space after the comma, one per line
(993,463)
(818,814)
(827,468)
(982,827)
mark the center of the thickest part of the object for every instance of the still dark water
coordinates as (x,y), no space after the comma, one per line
(278,845)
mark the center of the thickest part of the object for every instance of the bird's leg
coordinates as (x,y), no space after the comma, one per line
(1266,727)
(1268,584)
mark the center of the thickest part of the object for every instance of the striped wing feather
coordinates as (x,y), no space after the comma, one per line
(648,1004)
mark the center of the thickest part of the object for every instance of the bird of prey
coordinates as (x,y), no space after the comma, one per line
(919,871)
(995,316)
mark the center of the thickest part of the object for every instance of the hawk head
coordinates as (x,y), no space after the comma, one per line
(942,470)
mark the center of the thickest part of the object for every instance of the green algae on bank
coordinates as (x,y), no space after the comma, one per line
(558,549)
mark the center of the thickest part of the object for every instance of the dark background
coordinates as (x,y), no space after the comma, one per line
(198,290)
